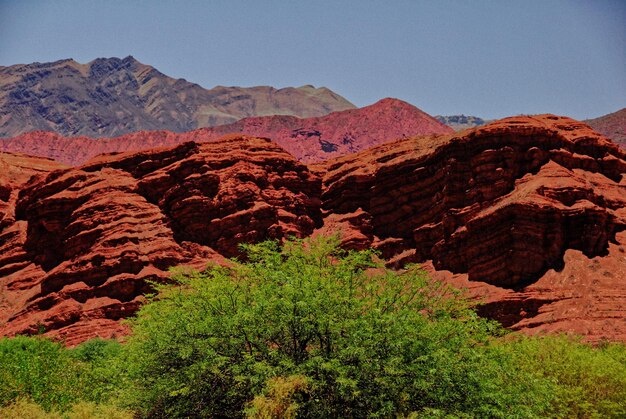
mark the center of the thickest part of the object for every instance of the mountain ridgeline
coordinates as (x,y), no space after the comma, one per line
(308,139)
(113,96)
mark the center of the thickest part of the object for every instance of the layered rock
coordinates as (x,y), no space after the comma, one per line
(507,206)
(15,171)
(86,242)
(308,139)
(527,213)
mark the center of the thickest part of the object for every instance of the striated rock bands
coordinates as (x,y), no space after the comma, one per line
(500,205)
(498,181)
(86,241)
(527,213)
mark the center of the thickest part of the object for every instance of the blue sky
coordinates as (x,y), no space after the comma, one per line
(486,58)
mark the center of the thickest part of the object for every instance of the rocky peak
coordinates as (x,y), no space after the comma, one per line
(105,98)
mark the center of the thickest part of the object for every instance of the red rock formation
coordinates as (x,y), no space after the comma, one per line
(528,213)
(86,241)
(310,139)
(15,171)
(515,209)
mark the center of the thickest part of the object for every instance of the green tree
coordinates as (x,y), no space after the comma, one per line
(365,342)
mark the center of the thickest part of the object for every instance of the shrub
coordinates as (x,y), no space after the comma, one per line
(280,400)
(22,408)
(26,409)
(101,374)
(37,369)
(88,410)
(588,382)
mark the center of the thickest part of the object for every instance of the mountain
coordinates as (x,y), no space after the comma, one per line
(612,125)
(527,213)
(340,133)
(113,96)
(310,139)
(461,122)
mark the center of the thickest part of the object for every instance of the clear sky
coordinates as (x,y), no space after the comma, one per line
(486,58)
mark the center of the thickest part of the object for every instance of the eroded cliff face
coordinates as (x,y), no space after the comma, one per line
(528,214)
(85,241)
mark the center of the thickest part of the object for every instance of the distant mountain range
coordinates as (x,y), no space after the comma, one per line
(308,139)
(612,125)
(461,122)
(113,96)
(110,97)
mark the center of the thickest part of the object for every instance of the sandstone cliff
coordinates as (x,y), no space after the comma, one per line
(84,242)
(528,213)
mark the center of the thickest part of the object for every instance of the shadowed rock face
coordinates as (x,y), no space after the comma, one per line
(528,213)
(113,96)
(309,139)
(15,171)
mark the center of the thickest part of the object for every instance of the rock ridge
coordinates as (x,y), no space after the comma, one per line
(308,139)
(527,213)
(86,241)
